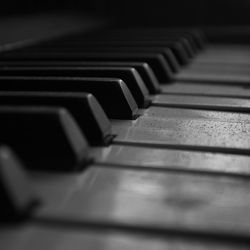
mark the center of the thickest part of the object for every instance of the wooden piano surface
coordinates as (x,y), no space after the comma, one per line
(176,177)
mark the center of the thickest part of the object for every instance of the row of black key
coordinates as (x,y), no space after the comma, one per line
(49,116)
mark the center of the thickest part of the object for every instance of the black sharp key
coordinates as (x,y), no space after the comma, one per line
(199,38)
(159,35)
(156,61)
(143,69)
(46,138)
(132,35)
(196,35)
(180,53)
(17,198)
(177,47)
(192,39)
(129,75)
(113,94)
(186,41)
(165,52)
(84,108)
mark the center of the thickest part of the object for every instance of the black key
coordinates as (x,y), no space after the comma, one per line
(129,75)
(84,108)
(132,35)
(160,35)
(143,69)
(187,41)
(192,39)
(46,138)
(196,35)
(177,47)
(156,61)
(17,198)
(113,95)
(165,52)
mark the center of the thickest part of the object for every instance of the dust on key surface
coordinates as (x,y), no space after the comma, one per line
(190,131)
(172,159)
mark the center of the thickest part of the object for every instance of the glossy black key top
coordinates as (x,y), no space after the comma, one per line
(17,198)
(156,61)
(113,95)
(84,108)
(143,69)
(46,138)
(129,75)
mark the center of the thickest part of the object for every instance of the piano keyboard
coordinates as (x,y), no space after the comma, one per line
(125,139)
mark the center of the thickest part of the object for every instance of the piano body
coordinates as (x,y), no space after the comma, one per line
(125,125)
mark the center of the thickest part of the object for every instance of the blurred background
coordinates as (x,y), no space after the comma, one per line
(22,20)
(163,12)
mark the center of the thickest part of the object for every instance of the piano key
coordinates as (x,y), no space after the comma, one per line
(223,49)
(228,55)
(215,78)
(195,37)
(165,52)
(65,238)
(46,138)
(143,69)
(17,199)
(187,41)
(220,68)
(228,71)
(158,113)
(129,75)
(203,89)
(156,61)
(204,102)
(84,108)
(176,47)
(190,133)
(155,201)
(189,49)
(158,159)
(113,95)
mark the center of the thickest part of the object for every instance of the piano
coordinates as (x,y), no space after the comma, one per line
(125,125)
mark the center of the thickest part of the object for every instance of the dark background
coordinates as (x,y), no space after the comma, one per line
(174,12)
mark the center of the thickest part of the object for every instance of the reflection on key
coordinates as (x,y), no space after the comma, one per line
(156,61)
(143,69)
(113,95)
(17,198)
(129,75)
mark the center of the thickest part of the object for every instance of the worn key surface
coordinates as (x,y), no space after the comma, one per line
(203,102)
(180,129)
(54,238)
(157,159)
(143,69)
(203,89)
(146,200)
